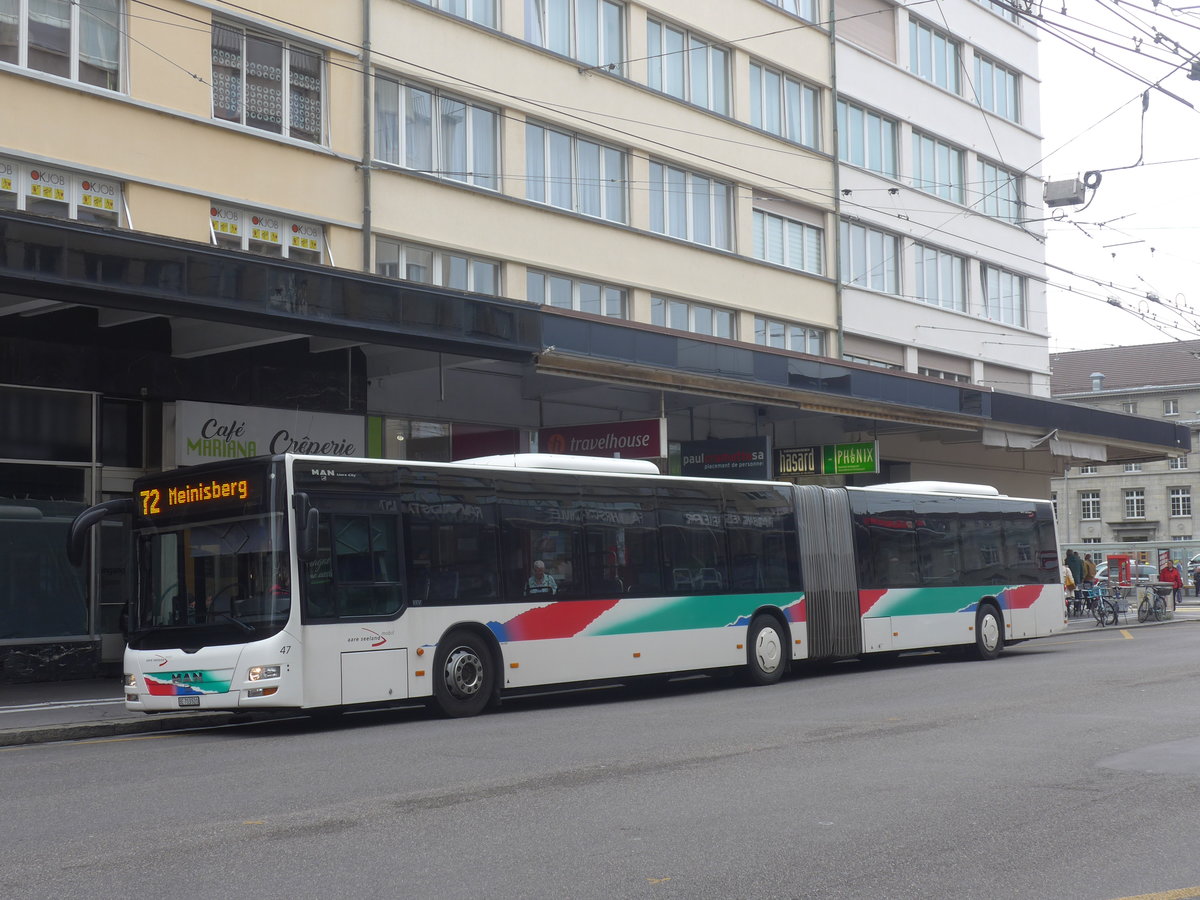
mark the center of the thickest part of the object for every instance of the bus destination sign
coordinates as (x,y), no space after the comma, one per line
(197,496)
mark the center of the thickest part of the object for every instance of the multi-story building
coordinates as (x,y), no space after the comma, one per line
(1132,501)
(429,229)
(940,239)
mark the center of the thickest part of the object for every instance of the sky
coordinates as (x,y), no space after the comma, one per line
(1139,233)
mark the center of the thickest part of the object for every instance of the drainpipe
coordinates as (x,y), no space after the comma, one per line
(836,242)
(366,135)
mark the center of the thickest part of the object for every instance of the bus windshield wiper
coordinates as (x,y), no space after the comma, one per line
(249,629)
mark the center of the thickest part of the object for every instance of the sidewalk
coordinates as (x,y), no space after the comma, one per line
(77,710)
(73,710)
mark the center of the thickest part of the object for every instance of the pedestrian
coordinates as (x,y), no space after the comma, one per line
(1075,563)
(1068,583)
(1170,575)
(1089,579)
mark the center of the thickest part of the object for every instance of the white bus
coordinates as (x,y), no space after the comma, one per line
(318,583)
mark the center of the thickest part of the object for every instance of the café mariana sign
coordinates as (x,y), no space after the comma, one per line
(210,431)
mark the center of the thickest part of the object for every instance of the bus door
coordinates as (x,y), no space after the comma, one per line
(829,570)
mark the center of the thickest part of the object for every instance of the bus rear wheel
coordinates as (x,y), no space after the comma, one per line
(989,632)
(464,679)
(764,651)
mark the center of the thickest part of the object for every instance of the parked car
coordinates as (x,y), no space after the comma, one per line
(1142,574)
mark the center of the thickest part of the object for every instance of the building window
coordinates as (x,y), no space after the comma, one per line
(805,9)
(587,30)
(482,12)
(1133,467)
(869,258)
(1178,462)
(266,233)
(1089,505)
(999,192)
(1181,501)
(436,134)
(1135,503)
(565,292)
(571,172)
(787,242)
(784,105)
(698,318)
(944,375)
(937,168)
(75,39)
(690,206)
(1001,9)
(1054,502)
(1129,406)
(686,66)
(786,336)
(48,191)
(1003,295)
(939,277)
(1087,470)
(933,55)
(1171,407)
(430,265)
(866,139)
(265,82)
(997,88)
(875,363)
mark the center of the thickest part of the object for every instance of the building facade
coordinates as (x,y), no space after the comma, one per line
(941,243)
(432,229)
(1133,501)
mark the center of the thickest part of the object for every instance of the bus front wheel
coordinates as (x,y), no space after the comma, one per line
(989,632)
(764,651)
(464,675)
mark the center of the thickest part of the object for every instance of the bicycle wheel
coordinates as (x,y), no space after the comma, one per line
(1110,611)
(1144,610)
(1160,609)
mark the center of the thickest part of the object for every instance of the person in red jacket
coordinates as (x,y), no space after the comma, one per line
(1170,575)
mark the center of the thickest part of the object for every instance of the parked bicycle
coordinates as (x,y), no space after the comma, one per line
(1154,603)
(1105,603)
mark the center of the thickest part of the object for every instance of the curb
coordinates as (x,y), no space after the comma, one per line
(74,731)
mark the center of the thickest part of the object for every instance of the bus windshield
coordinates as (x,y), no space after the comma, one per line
(220,582)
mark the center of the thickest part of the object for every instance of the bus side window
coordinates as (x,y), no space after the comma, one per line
(693,542)
(318,574)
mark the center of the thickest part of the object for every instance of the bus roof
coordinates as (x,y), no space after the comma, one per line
(565,462)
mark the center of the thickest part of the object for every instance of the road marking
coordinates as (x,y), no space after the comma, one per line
(1177,894)
(1125,631)
(58,704)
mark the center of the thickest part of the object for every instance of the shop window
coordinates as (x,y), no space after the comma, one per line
(48,191)
(267,234)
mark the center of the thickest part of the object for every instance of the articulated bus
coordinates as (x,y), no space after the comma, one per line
(323,583)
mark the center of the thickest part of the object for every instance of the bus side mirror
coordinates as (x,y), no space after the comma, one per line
(82,524)
(308,522)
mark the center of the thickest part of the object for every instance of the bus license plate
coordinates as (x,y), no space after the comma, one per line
(189,701)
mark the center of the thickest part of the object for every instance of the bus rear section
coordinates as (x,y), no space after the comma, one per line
(946,564)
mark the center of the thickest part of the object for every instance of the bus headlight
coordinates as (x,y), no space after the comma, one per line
(258,673)
(130,680)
